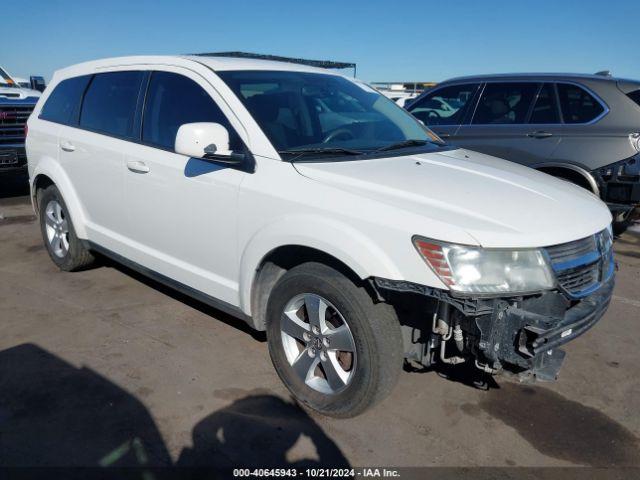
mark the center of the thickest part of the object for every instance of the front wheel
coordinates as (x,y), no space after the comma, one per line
(337,351)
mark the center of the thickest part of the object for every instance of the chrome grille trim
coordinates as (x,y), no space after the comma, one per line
(12,121)
(580,266)
(572,250)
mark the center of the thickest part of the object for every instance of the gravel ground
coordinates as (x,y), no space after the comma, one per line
(106,367)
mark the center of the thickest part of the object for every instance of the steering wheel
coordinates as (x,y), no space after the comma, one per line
(338,132)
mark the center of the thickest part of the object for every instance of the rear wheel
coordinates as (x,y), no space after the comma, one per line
(63,246)
(336,350)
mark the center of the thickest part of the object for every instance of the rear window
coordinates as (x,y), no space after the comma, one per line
(63,104)
(635,96)
(110,102)
(505,103)
(578,105)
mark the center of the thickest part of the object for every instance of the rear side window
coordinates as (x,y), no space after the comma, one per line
(635,96)
(110,102)
(578,105)
(63,104)
(505,103)
(545,110)
(173,100)
(446,106)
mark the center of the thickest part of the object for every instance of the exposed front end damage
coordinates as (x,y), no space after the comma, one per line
(619,185)
(519,334)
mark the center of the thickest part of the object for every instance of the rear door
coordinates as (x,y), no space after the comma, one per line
(512,121)
(91,152)
(444,109)
(581,140)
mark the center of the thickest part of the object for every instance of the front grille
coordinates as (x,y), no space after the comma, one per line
(582,265)
(12,121)
(572,250)
(579,279)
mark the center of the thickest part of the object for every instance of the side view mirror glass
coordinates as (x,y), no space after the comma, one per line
(208,141)
(37,83)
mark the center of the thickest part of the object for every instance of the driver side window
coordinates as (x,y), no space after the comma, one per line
(173,100)
(444,106)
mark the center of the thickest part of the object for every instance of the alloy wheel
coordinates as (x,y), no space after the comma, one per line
(318,343)
(57,229)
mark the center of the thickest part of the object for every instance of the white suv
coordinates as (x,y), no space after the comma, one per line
(316,209)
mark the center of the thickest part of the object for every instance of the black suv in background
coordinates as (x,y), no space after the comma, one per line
(582,128)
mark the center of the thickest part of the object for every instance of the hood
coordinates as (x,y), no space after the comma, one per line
(13,93)
(498,203)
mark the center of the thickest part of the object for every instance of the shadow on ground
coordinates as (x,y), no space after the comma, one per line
(55,414)
(559,427)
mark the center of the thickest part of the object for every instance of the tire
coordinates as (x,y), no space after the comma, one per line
(366,375)
(58,234)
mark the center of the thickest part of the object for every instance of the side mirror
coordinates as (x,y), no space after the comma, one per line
(37,83)
(208,141)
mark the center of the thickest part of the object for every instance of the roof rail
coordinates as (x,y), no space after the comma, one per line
(278,58)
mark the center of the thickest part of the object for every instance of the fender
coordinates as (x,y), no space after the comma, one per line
(576,168)
(332,237)
(52,169)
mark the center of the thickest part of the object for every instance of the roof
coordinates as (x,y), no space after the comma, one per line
(277,58)
(216,63)
(220,63)
(512,76)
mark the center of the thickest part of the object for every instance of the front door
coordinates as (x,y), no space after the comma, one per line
(181,211)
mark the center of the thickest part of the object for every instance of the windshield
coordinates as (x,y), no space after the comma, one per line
(6,80)
(321,112)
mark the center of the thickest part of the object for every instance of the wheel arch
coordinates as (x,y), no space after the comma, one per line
(292,242)
(573,173)
(50,173)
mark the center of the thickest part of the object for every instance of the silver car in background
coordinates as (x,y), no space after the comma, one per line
(582,128)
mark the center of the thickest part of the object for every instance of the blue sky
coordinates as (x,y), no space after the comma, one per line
(428,40)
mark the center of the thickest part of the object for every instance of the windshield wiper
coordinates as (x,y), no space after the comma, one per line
(412,142)
(319,151)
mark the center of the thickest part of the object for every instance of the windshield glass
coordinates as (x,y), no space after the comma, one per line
(315,111)
(5,79)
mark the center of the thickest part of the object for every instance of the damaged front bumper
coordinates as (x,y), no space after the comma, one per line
(524,337)
(520,335)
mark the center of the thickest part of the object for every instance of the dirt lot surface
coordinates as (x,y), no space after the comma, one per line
(106,367)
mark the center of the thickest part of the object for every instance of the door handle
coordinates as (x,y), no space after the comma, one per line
(67,146)
(138,166)
(540,134)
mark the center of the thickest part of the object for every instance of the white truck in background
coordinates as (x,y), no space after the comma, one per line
(16,104)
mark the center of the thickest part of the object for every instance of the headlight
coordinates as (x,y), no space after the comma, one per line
(477,270)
